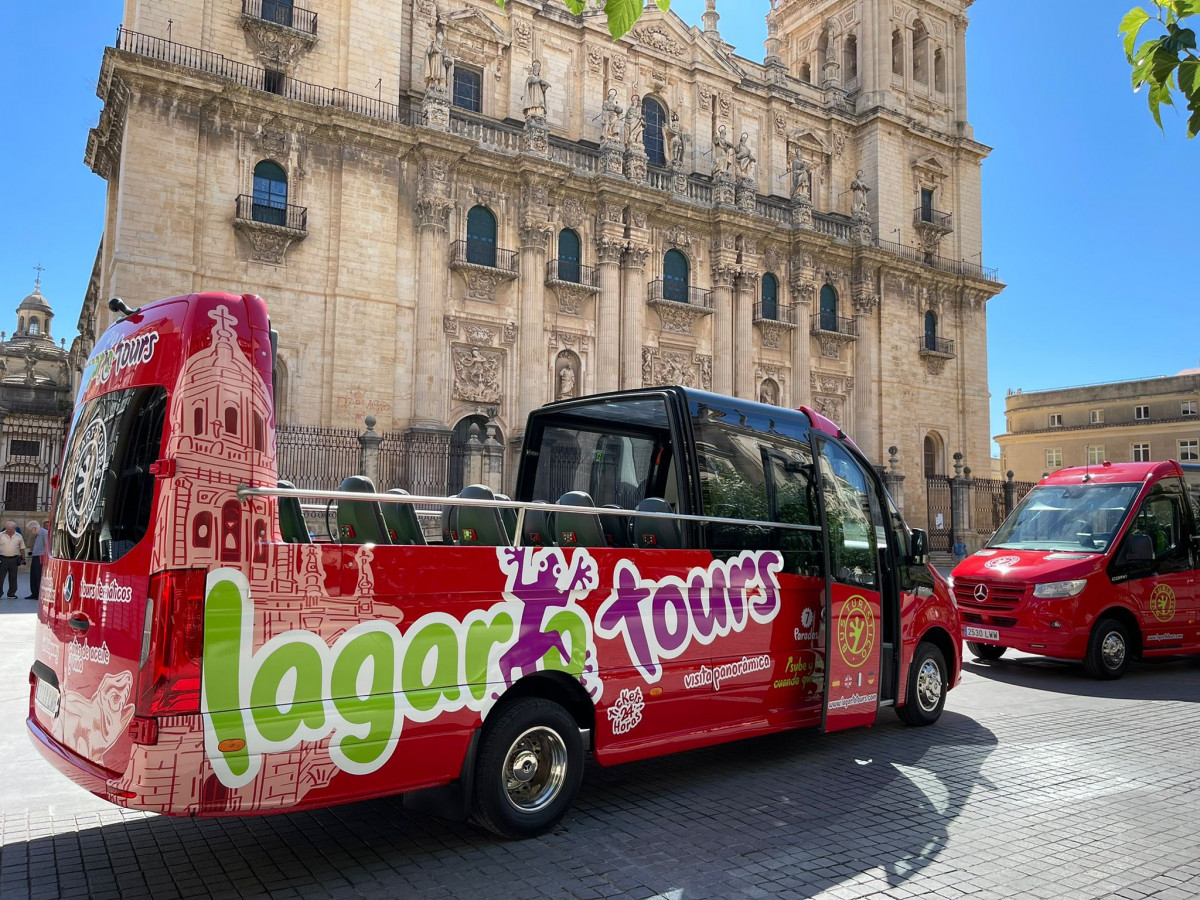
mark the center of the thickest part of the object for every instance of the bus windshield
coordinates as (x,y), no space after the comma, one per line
(1076,517)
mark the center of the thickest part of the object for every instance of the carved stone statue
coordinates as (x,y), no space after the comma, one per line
(801,178)
(535,92)
(634,124)
(611,111)
(766,393)
(437,61)
(566,380)
(745,159)
(860,189)
(676,139)
(723,156)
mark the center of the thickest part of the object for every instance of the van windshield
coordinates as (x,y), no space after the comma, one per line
(106,492)
(1076,518)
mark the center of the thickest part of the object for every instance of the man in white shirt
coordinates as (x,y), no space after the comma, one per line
(12,554)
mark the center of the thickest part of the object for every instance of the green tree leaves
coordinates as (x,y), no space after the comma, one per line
(1167,63)
(623,14)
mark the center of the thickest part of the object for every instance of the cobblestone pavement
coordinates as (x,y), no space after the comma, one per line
(1037,782)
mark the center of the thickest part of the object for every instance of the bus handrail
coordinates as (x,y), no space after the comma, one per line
(244,492)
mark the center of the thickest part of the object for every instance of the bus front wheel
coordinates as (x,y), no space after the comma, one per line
(1108,650)
(528,770)
(928,682)
(985,651)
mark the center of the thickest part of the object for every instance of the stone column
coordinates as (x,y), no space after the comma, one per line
(743,336)
(368,456)
(532,357)
(429,388)
(722,331)
(493,461)
(633,314)
(960,69)
(893,480)
(1010,493)
(801,345)
(865,416)
(607,365)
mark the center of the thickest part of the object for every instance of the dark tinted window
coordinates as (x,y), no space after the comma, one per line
(104,501)
(467,89)
(652,137)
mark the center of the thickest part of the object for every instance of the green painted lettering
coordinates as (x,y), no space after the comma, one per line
(567,623)
(278,718)
(481,637)
(424,688)
(376,707)
(221,668)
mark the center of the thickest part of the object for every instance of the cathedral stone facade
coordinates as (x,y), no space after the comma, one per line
(458,210)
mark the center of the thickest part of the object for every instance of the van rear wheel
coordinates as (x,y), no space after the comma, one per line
(1108,650)
(985,651)
(528,770)
(928,682)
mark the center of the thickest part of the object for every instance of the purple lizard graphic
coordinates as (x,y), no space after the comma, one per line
(541,580)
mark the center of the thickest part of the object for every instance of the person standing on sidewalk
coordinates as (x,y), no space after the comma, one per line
(37,553)
(12,554)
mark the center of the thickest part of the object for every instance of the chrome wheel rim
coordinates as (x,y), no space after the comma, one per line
(929,685)
(1112,650)
(535,769)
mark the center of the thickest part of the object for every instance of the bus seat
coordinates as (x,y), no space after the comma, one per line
(401,520)
(447,534)
(655,533)
(360,521)
(536,530)
(477,526)
(572,529)
(291,519)
(616,528)
(509,518)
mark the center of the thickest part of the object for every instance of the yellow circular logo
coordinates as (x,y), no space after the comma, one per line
(1162,603)
(856,631)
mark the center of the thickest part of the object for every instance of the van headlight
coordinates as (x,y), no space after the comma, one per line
(1056,589)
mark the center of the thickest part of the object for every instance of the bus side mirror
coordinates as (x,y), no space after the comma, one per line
(1138,549)
(920,548)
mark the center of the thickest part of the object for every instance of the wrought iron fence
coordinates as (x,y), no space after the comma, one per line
(281,13)
(480,253)
(987,504)
(934,344)
(316,458)
(774,312)
(285,216)
(927,215)
(570,270)
(31,456)
(824,321)
(940,521)
(677,292)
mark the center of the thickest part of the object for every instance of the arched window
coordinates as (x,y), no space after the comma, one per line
(198,420)
(829,308)
(481,236)
(33,326)
(231,532)
(652,136)
(770,297)
(270,194)
(897,53)
(931,330)
(939,71)
(675,276)
(933,455)
(920,51)
(850,57)
(806,73)
(231,420)
(202,530)
(568,256)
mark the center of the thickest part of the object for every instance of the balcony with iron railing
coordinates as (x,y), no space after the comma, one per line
(932,218)
(775,313)
(250,209)
(932,345)
(283,14)
(942,263)
(673,292)
(570,271)
(828,323)
(483,255)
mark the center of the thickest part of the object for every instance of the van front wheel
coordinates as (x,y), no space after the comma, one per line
(528,770)
(1108,650)
(928,682)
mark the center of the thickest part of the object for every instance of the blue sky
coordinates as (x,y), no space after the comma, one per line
(1090,213)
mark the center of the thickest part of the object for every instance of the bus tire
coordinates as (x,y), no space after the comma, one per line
(528,770)
(985,651)
(1108,650)
(928,682)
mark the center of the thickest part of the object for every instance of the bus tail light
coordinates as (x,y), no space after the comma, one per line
(170,678)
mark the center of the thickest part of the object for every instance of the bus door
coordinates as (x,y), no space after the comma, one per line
(853,605)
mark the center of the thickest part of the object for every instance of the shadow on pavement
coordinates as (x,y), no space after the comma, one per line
(796,813)
(1173,678)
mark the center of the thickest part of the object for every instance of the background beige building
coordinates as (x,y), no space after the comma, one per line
(1125,421)
(458,212)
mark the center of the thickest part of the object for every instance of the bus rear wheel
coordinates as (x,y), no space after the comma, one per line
(985,651)
(1108,650)
(928,682)
(528,770)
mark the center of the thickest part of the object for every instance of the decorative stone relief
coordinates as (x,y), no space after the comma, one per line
(666,366)
(477,334)
(595,59)
(433,212)
(658,38)
(830,382)
(572,212)
(772,332)
(571,297)
(482,282)
(617,68)
(477,375)
(780,123)
(450,325)
(705,99)
(678,236)
(267,243)
(522,32)
(278,46)
(570,339)
(831,344)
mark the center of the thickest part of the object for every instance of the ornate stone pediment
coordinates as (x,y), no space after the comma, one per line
(471,35)
(658,37)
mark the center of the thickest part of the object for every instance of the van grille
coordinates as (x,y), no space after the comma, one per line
(1000,595)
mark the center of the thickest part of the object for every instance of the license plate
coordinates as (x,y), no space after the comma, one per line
(47,697)
(983,634)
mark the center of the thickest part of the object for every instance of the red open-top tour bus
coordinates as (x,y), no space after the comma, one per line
(677,569)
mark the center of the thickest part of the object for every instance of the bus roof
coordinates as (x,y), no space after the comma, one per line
(1113,473)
